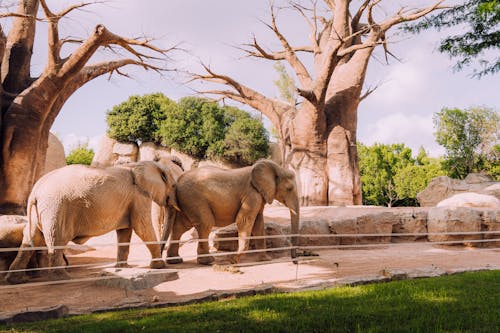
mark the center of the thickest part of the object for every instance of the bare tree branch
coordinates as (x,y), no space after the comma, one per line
(269,107)
(411,15)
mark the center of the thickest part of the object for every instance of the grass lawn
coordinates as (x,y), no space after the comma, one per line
(468,302)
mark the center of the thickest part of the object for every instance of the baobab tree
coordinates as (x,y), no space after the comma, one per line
(29,105)
(318,135)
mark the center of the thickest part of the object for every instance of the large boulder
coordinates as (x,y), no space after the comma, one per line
(457,220)
(470,199)
(11,236)
(410,222)
(125,152)
(490,224)
(55,157)
(148,151)
(104,156)
(443,187)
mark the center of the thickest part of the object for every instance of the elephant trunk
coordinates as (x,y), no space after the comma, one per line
(294,220)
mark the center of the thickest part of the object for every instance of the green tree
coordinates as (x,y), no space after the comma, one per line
(246,140)
(196,127)
(480,20)
(412,179)
(378,166)
(470,138)
(204,129)
(139,118)
(80,155)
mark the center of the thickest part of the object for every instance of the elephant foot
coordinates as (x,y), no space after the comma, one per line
(205,260)
(264,257)
(122,265)
(59,274)
(174,261)
(157,264)
(16,278)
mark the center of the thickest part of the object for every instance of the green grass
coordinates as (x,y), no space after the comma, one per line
(468,302)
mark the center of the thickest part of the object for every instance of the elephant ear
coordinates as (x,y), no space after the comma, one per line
(264,179)
(152,181)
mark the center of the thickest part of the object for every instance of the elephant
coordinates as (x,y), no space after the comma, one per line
(77,202)
(211,196)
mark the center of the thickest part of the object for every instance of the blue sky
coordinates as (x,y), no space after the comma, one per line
(400,110)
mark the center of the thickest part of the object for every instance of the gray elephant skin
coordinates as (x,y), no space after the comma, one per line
(212,196)
(77,202)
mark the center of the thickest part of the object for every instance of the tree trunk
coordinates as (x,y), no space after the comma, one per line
(23,153)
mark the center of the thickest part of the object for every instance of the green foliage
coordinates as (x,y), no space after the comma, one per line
(470,138)
(378,165)
(480,19)
(465,302)
(391,176)
(203,129)
(246,140)
(80,155)
(285,84)
(414,178)
(139,118)
(196,127)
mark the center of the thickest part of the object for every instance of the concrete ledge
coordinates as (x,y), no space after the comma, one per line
(135,278)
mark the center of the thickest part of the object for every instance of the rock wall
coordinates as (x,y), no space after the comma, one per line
(333,226)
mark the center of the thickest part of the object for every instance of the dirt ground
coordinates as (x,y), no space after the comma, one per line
(190,281)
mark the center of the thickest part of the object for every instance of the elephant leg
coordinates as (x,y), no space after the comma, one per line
(179,228)
(148,236)
(260,243)
(57,266)
(203,248)
(244,221)
(16,270)
(123,236)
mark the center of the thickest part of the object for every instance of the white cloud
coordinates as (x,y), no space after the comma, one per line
(412,130)
(71,141)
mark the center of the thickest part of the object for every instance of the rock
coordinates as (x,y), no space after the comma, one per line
(491,222)
(271,229)
(187,161)
(493,190)
(454,219)
(55,157)
(125,152)
(103,156)
(275,151)
(410,222)
(443,187)
(11,236)
(148,151)
(135,278)
(378,223)
(470,199)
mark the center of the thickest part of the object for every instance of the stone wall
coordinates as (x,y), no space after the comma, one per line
(332,226)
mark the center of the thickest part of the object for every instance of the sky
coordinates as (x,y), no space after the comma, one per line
(411,89)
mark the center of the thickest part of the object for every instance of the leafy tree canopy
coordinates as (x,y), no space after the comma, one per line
(470,138)
(195,126)
(391,176)
(481,20)
(139,118)
(80,155)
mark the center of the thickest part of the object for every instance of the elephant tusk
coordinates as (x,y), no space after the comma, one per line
(293,211)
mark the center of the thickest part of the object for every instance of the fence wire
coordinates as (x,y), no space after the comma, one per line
(300,259)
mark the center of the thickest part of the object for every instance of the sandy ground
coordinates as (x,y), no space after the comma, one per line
(189,281)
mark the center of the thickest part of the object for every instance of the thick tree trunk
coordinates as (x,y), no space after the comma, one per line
(24,146)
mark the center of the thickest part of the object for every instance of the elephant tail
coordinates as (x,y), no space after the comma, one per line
(32,203)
